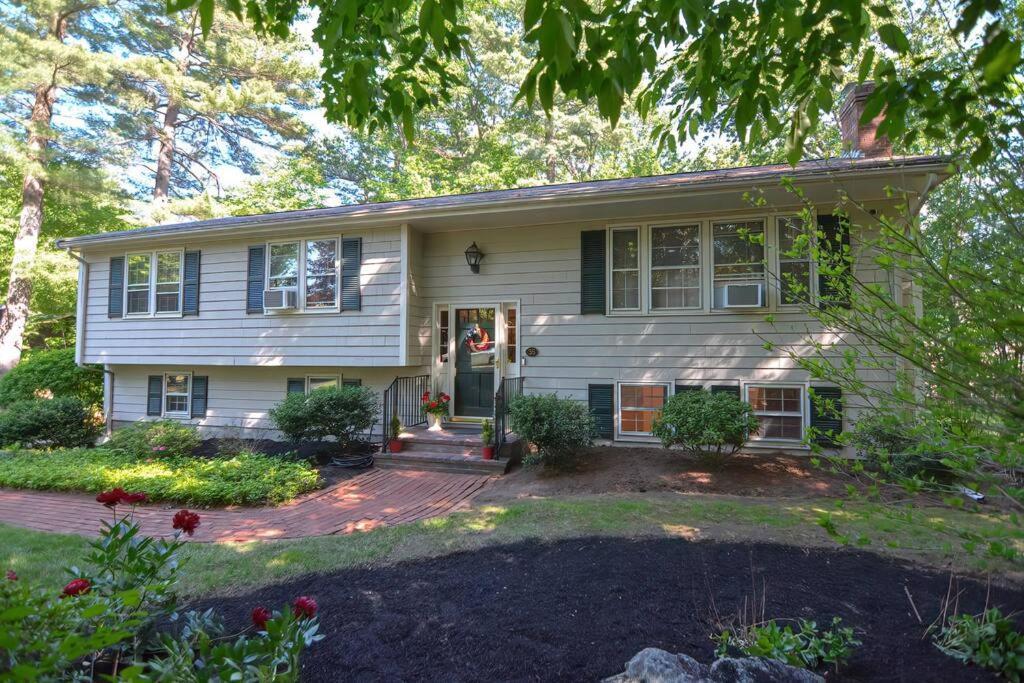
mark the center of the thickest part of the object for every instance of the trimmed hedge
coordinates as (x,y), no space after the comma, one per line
(245,478)
(49,423)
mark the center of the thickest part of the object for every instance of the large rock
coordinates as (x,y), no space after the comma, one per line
(658,666)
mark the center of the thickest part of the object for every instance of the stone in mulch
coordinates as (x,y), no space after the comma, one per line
(652,665)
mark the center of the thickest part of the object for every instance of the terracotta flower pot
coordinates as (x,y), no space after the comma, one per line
(395,445)
(488,452)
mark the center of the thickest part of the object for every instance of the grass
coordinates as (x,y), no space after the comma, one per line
(921,536)
(242,479)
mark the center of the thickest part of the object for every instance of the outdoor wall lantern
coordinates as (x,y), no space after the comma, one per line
(473,257)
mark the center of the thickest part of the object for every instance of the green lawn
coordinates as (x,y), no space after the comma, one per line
(919,535)
(242,479)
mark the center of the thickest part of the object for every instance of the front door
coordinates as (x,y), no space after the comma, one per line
(474,362)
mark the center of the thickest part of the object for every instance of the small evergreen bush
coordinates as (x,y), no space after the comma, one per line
(49,423)
(51,374)
(159,438)
(709,426)
(558,427)
(341,413)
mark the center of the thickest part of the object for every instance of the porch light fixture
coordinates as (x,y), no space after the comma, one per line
(473,257)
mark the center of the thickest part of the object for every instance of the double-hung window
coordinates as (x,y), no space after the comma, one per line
(626,269)
(154,283)
(314,383)
(639,406)
(779,410)
(738,251)
(794,246)
(675,267)
(310,267)
(177,394)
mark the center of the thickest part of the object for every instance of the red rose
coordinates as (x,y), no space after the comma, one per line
(433,404)
(445,397)
(133,498)
(185,521)
(11,576)
(112,497)
(76,587)
(426,395)
(260,617)
(304,607)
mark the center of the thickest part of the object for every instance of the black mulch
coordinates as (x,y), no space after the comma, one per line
(576,610)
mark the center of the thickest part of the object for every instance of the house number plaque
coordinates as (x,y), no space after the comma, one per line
(532,351)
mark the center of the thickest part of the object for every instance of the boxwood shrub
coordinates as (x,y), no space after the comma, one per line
(709,426)
(557,427)
(63,422)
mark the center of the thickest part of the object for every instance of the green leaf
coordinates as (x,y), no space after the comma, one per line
(532,13)
(894,38)
(206,16)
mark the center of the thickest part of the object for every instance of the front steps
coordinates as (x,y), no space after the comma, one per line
(457,448)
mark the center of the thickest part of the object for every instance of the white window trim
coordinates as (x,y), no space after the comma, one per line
(805,412)
(619,432)
(310,378)
(151,313)
(187,413)
(300,286)
(812,268)
(638,229)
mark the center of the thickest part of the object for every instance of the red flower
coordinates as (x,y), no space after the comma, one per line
(445,398)
(11,576)
(260,617)
(425,396)
(76,587)
(304,607)
(433,404)
(112,497)
(185,521)
(133,498)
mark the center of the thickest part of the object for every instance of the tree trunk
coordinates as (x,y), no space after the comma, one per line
(165,157)
(19,288)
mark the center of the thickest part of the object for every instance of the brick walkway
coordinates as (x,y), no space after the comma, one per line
(379,497)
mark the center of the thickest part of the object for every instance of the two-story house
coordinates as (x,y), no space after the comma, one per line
(616,292)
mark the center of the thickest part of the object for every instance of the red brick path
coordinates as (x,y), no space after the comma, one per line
(380,497)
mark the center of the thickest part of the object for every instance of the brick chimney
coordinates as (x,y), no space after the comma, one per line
(860,139)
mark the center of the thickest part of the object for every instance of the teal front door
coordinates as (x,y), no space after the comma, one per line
(474,362)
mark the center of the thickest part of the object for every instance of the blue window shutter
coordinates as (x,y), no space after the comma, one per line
(834,239)
(155,395)
(351,264)
(827,415)
(190,285)
(200,390)
(601,399)
(296,385)
(115,295)
(727,389)
(256,271)
(593,286)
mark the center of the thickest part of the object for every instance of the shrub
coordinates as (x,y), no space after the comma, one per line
(339,412)
(49,423)
(899,444)
(159,438)
(557,427)
(245,478)
(47,374)
(808,647)
(710,426)
(988,640)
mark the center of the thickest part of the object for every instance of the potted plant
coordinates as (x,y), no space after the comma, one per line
(436,408)
(395,443)
(487,434)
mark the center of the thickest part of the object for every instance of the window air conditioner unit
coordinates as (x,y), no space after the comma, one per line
(283,299)
(747,295)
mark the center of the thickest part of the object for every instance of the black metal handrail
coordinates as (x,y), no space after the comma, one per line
(508,389)
(402,398)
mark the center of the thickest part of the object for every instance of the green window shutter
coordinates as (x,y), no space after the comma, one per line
(827,418)
(680,388)
(351,264)
(296,385)
(255,278)
(190,284)
(727,389)
(601,399)
(593,286)
(200,389)
(115,294)
(352,382)
(155,395)
(835,239)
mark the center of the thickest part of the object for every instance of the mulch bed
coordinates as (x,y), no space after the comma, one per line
(577,610)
